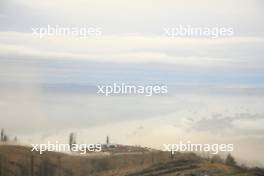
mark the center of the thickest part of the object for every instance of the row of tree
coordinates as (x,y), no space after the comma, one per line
(4,137)
(230,160)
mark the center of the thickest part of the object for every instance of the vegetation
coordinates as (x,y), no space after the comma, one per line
(230,160)
(20,161)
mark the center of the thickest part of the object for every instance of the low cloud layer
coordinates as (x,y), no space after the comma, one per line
(228,52)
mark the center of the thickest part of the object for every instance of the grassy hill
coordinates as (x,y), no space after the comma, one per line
(20,161)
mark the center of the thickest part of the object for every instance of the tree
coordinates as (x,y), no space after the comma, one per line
(72,140)
(230,160)
(107,140)
(216,159)
(2,135)
(15,139)
(5,139)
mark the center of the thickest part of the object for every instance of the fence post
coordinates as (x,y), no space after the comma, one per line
(60,168)
(1,165)
(32,165)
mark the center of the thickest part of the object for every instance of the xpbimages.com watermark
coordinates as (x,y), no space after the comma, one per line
(59,147)
(56,30)
(191,31)
(190,147)
(147,90)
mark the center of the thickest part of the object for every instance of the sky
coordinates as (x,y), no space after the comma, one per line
(134,31)
(48,84)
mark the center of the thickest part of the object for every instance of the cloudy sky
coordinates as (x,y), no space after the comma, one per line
(134,31)
(48,84)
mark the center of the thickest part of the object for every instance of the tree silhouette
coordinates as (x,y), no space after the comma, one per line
(2,134)
(72,140)
(230,160)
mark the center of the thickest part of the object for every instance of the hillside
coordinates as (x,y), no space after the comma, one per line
(20,161)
